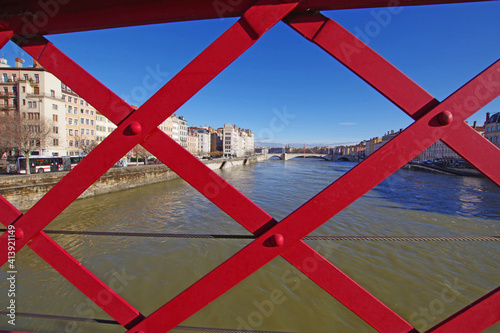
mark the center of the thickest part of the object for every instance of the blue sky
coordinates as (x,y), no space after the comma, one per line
(286,89)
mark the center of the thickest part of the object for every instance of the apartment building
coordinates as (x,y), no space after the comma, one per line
(204,139)
(237,142)
(33,93)
(492,128)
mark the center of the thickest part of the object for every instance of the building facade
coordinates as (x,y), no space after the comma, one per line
(237,142)
(492,128)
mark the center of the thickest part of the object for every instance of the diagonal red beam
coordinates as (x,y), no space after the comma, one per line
(74,272)
(5,36)
(220,54)
(475,149)
(214,187)
(474,318)
(397,87)
(364,62)
(392,156)
(196,173)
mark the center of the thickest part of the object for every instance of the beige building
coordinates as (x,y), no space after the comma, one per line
(192,142)
(34,93)
(81,118)
(492,128)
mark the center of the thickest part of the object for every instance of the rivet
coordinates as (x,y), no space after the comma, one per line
(445,117)
(135,128)
(19,233)
(277,240)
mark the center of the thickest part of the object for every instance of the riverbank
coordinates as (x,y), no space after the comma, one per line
(23,191)
(444,170)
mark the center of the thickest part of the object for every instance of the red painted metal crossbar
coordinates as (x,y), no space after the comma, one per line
(434,120)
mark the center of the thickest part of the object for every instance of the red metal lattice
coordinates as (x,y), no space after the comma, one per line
(434,120)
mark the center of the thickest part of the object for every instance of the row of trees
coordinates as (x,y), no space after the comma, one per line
(21,136)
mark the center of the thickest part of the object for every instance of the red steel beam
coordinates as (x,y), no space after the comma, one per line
(390,158)
(74,272)
(474,318)
(63,16)
(220,54)
(214,187)
(397,87)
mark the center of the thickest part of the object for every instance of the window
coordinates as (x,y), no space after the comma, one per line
(76,100)
(37,78)
(75,111)
(64,97)
(76,123)
(70,108)
(88,142)
(86,111)
(6,102)
(92,133)
(87,132)
(86,103)
(91,112)
(54,117)
(81,110)
(76,132)
(70,121)
(5,77)
(26,77)
(86,121)
(55,142)
(70,132)
(6,90)
(81,102)
(54,106)
(55,129)
(24,102)
(76,143)
(70,143)
(52,93)
(34,104)
(69,98)
(92,122)
(14,77)
(23,89)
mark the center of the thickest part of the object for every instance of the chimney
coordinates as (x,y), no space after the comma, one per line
(475,123)
(36,64)
(487,116)
(19,62)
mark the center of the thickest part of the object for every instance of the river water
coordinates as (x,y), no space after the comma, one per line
(424,282)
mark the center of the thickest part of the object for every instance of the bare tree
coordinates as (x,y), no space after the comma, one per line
(23,134)
(140,151)
(86,145)
(6,127)
(216,153)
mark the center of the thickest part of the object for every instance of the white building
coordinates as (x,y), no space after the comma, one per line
(237,142)
(204,139)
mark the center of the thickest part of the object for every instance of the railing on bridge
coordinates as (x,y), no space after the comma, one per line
(433,120)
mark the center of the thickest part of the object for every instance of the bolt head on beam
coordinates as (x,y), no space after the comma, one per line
(134,128)
(445,118)
(19,233)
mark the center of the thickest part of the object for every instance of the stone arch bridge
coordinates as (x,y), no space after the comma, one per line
(287,156)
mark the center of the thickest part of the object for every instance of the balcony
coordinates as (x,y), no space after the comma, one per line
(41,95)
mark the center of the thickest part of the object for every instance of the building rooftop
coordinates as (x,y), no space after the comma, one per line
(495,118)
